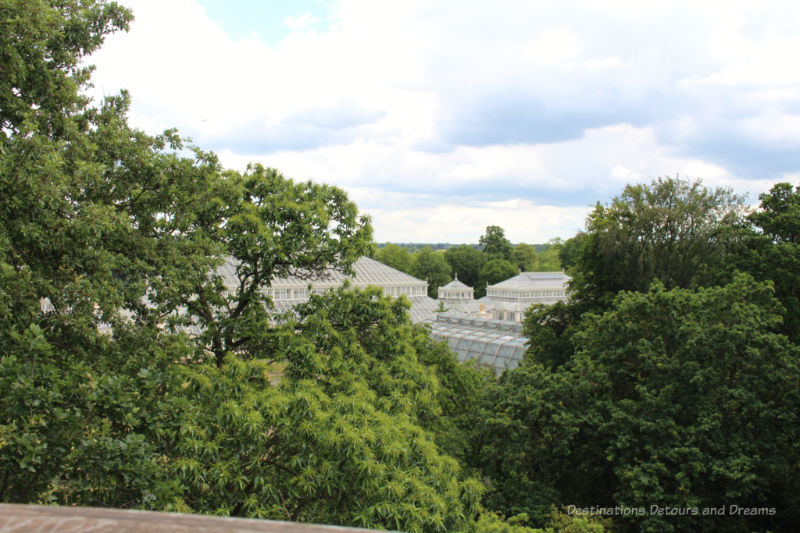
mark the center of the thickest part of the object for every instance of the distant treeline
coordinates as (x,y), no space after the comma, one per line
(492,260)
(415,246)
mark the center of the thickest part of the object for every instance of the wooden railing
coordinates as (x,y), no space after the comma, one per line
(41,518)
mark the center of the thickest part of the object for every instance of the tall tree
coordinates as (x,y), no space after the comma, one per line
(80,408)
(672,398)
(495,245)
(525,257)
(466,262)
(339,440)
(497,270)
(395,257)
(669,230)
(432,267)
(104,228)
(550,255)
(42,47)
(270,227)
(779,214)
(770,249)
(568,253)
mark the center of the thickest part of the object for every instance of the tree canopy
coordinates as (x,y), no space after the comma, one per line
(395,257)
(466,262)
(133,375)
(768,248)
(525,257)
(671,230)
(495,245)
(497,270)
(339,440)
(677,398)
(431,266)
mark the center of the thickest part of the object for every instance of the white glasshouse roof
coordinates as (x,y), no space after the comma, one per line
(534,280)
(455,285)
(495,343)
(371,272)
(366,272)
(289,291)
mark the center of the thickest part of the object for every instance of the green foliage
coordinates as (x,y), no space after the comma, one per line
(269,227)
(568,253)
(525,257)
(466,262)
(81,415)
(549,331)
(533,452)
(395,257)
(672,398)
(492,523)
(779,214)
(770,250)
(340,440)
(42,45)
(495,245)
(669,230)
(550,256)
(431,266)
(497,270)
(460,397)
(80,410)
(559,522)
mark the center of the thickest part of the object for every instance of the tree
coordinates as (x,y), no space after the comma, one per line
(97,215)
(568,253)
(525,257)
(497,270)
(549,330)
(41,49)
(432,267)
(466,262)
(779,214)
(395,257)
(674,398)
(550,256)
(495,245)
(81,191)
(339,440)
(769,249)
(269,228)
(82,414)
(670,230)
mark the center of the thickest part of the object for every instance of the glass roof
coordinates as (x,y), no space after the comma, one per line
(366,272)
(494,343)
(534,280)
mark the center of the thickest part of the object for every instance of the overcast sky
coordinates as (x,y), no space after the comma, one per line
(442,117)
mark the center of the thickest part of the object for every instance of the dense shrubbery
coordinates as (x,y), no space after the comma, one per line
(637,395)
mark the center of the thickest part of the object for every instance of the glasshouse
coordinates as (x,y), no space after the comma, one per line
(290,291)
(495,343)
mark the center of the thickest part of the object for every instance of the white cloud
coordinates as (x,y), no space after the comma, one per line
(301,23)
(442,105)
(522,220)
(554,45)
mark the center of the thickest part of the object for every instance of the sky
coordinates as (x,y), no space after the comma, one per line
(440,118)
